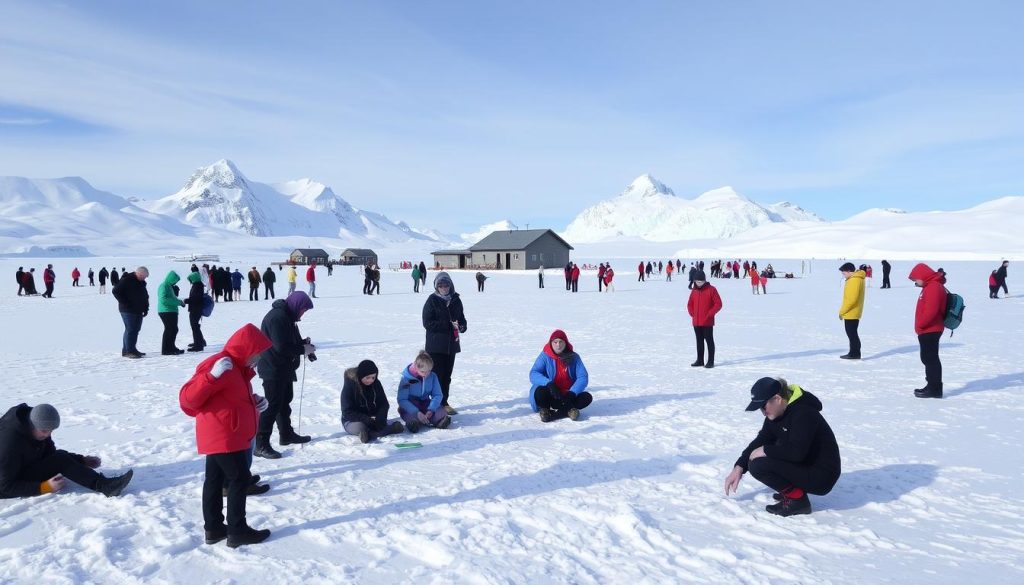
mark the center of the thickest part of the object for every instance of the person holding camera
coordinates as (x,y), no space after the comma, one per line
(277,367)
(559,381)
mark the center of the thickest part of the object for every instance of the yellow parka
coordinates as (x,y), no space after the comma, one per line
(853,297)
(291,274)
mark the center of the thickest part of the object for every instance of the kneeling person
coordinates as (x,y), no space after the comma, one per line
(30,464)
(559,381)
(795,453)
(420,395)
(364,406)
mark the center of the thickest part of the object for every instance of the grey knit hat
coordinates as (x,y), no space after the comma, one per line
(44,417)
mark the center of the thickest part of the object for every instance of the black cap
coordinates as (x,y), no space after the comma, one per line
(848,267)
(699,275)
(365,368)
(762,391)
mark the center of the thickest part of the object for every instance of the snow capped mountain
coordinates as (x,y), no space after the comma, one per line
(69,210)
(650,210)
(484,231)
(220,195)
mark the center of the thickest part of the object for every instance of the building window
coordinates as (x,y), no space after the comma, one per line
(533,257)
(515,256)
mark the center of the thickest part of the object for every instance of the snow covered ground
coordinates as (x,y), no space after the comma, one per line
(632,493)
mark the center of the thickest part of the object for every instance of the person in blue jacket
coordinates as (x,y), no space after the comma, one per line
(559,381)
(420,396)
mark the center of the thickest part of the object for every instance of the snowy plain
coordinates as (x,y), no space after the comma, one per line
(631,493)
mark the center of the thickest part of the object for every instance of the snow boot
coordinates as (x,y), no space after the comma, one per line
(264,450)
(448,409)
(444,422)
(395,428)
(293,438)
(790,506)
(927,392)
(248,536)
(697,364)
(573,414)
(545,414)
(413,426)
(709,365)
(364,436)
(113,486)
(216,535)
(850,356)
(252,489)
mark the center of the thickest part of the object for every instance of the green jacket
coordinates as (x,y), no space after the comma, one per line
(166,300)
(416,273)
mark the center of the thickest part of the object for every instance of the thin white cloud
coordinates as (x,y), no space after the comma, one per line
(24,121)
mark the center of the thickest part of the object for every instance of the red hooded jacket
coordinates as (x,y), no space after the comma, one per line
(575,272)
(930,314)
(609,274)
(703,305)
(224,408)
(311,273)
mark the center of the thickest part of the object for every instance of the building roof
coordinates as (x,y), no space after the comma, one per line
(310,251)
(359,252)
(513,240)
(450,252)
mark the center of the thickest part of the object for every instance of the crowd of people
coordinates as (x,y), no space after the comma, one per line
(795,452)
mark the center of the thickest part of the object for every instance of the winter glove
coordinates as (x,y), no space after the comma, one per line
(462,328)
(91,461)
(556,395)
(423,417)
(261,403)
(308,348)
(220,366)
(52,485)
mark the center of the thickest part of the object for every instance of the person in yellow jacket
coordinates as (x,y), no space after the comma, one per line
(292,277)
(853,307)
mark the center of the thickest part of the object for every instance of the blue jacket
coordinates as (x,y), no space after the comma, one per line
(236,279)
(543,373)
(412,387)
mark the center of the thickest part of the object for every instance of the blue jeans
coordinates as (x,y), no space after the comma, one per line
(132,326)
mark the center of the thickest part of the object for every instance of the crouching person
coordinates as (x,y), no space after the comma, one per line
(220,397)
(795,453)
(30,464)
(420,396)
(559,381)
(364,406)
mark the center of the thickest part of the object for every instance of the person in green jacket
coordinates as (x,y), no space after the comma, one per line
(415,278)
(167,305)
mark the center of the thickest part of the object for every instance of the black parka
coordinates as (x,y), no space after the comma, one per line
(366,404)
(437,320)
(131,295)
(19,450)
(283,358)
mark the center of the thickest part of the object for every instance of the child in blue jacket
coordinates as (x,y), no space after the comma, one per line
(559,381)
(420,396)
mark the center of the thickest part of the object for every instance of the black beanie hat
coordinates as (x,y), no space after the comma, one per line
(848,267)
(365,368)
(699,275)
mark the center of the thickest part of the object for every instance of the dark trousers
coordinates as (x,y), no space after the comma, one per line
(254,293)
(1002,285)
(415,285)
(268,291)
(63,463)
(21,287)
(782,475)
(851,333)
(170,321)
(542,396)
(705,334)
(279,394)
(993,291)
(568,283)
(575,285)
(540,281)
(132,326)
(885,280)
(640,278)
(444,364)
(600,282)
(375,287)
(366,286)
(231,470)
(480,286)
(930,358)
(49,290)
(197,332)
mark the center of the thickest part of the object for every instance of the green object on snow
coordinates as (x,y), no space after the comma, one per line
(408,445)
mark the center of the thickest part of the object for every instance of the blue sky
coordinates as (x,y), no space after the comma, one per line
(454,114)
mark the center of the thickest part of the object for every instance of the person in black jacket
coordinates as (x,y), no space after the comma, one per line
(1001,278)
(277,368)
(444,320)
(795,453)
(103,274)
(364,406)
(133,303)
(115,277)
(30,464)
(194,302)
(269,278)
(20,276)
(886,269)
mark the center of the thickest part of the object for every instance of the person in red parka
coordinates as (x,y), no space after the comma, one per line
(75,275)
(601,270)
(641,269)
(755,280)
(668,271)
(575,277)
(703,305)
(929,323)
(311,279)
(220,397)
(609,275)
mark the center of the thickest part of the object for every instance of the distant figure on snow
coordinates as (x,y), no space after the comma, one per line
(886,269)
(311,279)
(1001,277)
(481,278)
(703,305)
(195,300)
(852,308)
(133,304)
(75,275)
(255,280)
(167,304)
(929,323)
(269,278)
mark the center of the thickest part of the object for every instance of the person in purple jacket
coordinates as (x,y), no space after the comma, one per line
(559,381)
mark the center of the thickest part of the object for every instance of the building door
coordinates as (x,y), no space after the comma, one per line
(508,261)
(462,261)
